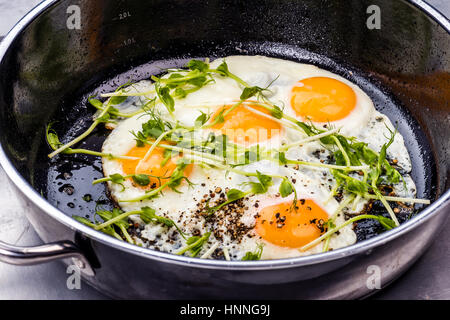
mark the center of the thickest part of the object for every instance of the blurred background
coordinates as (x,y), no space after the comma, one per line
(427,279)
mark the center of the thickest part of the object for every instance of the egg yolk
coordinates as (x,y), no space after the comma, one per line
(244,126)
(285,226)
(322,99)
(156,165)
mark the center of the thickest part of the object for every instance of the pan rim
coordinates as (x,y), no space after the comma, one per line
(358,248)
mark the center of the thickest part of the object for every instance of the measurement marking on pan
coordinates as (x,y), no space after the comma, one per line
(129,41)
(125,43)
(122,16)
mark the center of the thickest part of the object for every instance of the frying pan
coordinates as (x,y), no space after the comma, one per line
(49,66)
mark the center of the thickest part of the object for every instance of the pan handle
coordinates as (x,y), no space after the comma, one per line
(45,253)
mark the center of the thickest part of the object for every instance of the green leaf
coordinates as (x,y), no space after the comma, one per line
(198,243)
(111,231)
(108,230)
(117,178)
(286,188)
(254,255)
(117,100)
(232,195)
(165,97)
(382,157)
(52,138)
(264,183)
(53,141)
(249,92)
(281,157)
(354,161)
(364,153)
(387,223)
(356,186)
(198,81)
(349,183)
(180,93)
(175,76)
(96,103)
(306,128)
(148,214)
(392,175)
(104,119)
(197,65)
(329,224)
(153,128)
(276,112)
(339,158)
(141,179)
(327,140)
(178,176)
(235,194)
(223,69)
(265,180)
(201,119)
(220,117)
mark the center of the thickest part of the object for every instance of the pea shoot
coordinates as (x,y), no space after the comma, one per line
(256,255)
(55,144)
(195,244)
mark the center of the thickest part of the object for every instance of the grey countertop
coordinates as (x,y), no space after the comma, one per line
(429,278)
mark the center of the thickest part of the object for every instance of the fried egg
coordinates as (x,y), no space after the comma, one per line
(303,92)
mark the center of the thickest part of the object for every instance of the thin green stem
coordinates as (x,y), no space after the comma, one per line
(125,233)
(117,218)
(232,76)
(224,114)
(155,144)
(148,194)
(342,205)
(358,197)
(309,139)
(180,79)
(328,166)
(271,108)
(100,154)
(344,153)
(127,114)
(334,230)
(332,193)
(189,151)
(398,199)
(126,94)
(189,247)
(83,135)
(385,203)
(333,218)
(216,208)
